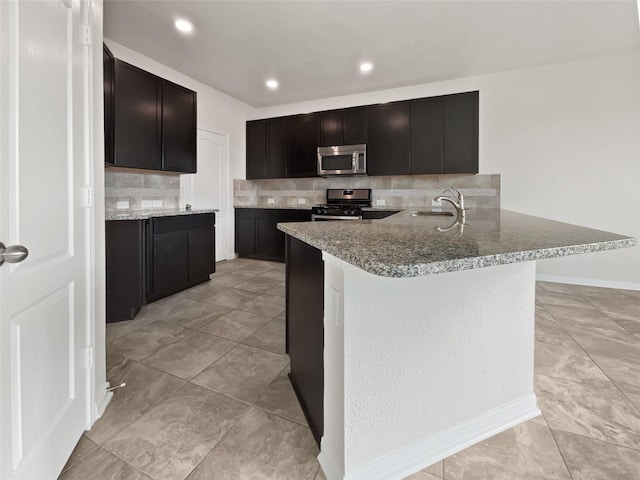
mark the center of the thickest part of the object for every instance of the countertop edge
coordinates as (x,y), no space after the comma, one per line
(395,270)
(146,214)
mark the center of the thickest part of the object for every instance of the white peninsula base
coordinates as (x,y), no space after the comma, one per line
(417,369)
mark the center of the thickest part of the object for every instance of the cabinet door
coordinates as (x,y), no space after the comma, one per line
(461,133)
(170,262)
(354,125)
(305,329)
(289,215)
(389,139)
(426,135)
(257,149)
(138,120)
(178,128)
(303,138)
(268,238)
(107,77)
(277,147)
(124,264)
(201,251)
(331,128)
(245,233)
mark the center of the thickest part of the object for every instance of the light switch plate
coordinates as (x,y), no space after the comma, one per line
(122,204)
(380,202)
(301,201)
(146,204)
(270,200)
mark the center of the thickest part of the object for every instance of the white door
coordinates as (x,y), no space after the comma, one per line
(210,187)
(44,174)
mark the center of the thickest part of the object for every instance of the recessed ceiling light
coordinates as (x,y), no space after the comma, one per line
(272,84)
(183,25)
(366,67)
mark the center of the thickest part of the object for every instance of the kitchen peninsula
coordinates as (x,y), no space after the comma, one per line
(428,329)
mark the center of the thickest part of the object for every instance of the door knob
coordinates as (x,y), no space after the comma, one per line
(12,254)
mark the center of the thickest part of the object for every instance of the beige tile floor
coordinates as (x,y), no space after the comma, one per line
(207,395)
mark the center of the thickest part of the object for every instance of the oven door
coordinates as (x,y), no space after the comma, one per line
(325,218)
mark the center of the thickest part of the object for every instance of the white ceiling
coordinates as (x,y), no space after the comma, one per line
(314,47)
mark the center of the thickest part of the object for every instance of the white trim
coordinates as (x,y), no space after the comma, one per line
(590,282)
(328,462)
(413,458)
(101,404)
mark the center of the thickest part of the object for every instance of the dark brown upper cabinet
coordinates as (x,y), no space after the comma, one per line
(137,118)
(461,112)
(347,126)
(422,136)
(277,146)
(178,128)
(426,135)
(154,122)
(107,70)
(267,145)
(389,139)
(444,134)
(303,138)
(256,149)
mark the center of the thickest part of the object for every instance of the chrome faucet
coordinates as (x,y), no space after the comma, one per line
(456,199)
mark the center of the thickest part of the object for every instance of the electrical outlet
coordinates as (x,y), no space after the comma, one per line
(436,203)
(157,203)
(123,204)
(146,204)
(270,200)
(301,201)
(380,202)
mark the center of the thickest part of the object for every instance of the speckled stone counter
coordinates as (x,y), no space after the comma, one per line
(145,214)
(410,246)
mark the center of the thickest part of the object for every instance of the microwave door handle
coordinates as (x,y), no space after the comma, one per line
(354,161)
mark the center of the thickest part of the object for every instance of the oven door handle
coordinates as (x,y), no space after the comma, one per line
(315,217)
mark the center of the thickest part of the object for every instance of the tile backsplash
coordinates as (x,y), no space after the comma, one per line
(156,190)
(481,191)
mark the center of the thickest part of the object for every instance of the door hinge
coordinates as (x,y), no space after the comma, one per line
(85,35)
(87,361)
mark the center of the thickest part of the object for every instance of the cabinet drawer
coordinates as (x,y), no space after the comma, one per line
(181,222)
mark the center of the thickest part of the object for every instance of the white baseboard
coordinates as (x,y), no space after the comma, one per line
(101,403)
(415,457)
(590,282)
(327,460)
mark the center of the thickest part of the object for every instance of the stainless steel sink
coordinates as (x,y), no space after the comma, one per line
(429,213)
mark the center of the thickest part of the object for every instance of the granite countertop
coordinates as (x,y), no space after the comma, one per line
(145,214)
(406,246)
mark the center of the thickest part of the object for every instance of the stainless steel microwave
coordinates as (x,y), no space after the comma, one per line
(342,160)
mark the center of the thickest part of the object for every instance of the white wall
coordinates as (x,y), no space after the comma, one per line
(566,140)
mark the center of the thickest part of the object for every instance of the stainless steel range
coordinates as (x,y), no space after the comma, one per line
(342,204)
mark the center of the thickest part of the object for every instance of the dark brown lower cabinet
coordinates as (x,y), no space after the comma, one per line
(305,330)
(257,234)
(182,255)
(151,259)
(125,252)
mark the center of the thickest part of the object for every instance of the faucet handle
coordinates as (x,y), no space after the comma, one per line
(459,196)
